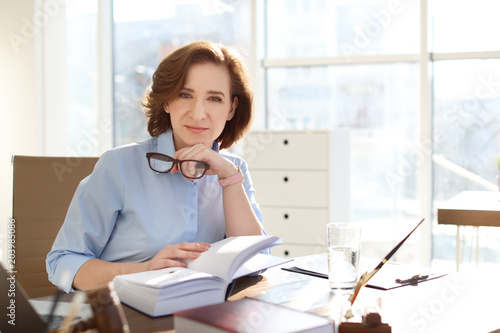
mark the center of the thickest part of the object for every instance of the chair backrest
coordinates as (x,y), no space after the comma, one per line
(43,189)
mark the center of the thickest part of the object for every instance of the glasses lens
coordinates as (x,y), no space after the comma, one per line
(193,169)
(161,163)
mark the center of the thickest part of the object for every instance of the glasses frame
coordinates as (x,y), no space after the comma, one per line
(174,162)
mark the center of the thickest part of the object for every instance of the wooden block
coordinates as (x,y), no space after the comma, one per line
(351,327)
(367,318)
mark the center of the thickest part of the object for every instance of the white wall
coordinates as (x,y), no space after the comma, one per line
(19,123)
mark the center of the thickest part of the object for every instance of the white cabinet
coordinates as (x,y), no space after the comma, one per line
(302,183)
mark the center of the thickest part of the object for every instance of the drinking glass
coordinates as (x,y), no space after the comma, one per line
(343,244)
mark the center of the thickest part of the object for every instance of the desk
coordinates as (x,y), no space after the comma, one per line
(449,304)
(472,208)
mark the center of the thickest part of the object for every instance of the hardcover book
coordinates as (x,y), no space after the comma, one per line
(249,315)
(204,281)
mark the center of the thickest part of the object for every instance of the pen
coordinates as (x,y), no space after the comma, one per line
(365,277)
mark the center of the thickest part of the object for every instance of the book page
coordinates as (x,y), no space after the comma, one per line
(224,257)
(164,277)
(258,263)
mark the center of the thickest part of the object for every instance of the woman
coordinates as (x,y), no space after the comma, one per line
(142,209)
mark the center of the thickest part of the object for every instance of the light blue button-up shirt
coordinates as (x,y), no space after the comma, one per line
(124,211)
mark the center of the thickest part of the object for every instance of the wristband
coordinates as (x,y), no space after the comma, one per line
(236,178)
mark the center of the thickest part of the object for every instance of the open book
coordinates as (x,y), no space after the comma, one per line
(204,281)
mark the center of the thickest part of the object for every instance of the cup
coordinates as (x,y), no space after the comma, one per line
(343,244)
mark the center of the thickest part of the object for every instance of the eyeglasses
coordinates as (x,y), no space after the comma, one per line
(191,169)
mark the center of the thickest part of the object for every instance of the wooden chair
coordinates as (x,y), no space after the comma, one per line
(43,189)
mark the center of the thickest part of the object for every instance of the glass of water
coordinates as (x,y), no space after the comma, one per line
(343,243)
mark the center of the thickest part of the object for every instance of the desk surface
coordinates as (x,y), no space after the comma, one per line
(454,303)
(476,208)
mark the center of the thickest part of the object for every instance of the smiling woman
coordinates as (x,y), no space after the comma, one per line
(129,215)
(202,108)
(211,78)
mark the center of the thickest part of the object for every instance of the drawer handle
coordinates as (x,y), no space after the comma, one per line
(285,179)
(285,142)
(285,216)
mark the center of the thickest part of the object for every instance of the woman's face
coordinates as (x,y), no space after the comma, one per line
(200,112)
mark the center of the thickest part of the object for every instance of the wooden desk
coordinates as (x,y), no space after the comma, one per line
(453,303)
(472,208)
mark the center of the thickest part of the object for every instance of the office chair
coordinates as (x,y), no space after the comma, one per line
(43,189)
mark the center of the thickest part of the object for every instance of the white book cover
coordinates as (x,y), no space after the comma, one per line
(204,281)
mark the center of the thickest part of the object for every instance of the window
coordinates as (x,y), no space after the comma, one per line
(67,70)
(83,123)
(362,65)
(466,144)
(322,28)
(343,64)
(465,26)
(466,115)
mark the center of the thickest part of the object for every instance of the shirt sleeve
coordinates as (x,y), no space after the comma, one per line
(89,221)
(250,191)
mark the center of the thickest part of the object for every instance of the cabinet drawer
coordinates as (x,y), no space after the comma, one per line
(291,188)
(286,150)
(303,226)
(294,250)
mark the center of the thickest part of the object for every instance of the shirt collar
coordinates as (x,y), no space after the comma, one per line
(215,146)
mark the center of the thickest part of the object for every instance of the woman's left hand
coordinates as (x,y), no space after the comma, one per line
(219,165)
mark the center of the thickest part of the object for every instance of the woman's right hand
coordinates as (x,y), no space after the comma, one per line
(172,255)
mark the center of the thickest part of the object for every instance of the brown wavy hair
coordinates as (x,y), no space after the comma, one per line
(170,76)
